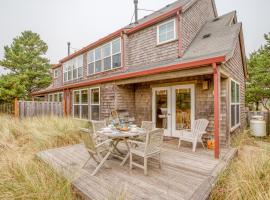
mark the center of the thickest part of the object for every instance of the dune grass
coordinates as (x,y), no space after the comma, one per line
(248,176)
(22,176)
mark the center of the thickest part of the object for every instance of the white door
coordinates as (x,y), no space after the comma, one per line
(161,108)
(173,108)
(183,108)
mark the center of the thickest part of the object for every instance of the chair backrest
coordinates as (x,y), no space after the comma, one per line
(199,126)
(147,125)
(88,139)
(97,125)
(154,140)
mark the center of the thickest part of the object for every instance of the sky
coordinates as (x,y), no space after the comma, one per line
(84,21)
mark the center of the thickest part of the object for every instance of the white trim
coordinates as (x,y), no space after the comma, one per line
(175,32)
(232,128)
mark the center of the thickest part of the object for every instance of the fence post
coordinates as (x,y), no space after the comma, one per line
(16,107)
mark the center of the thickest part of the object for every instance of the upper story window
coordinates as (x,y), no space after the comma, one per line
(73,69)
(104,58)
(235,104)
(55,73)
(166,32)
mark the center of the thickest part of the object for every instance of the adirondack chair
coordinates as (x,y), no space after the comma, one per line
(150,148)
(96,150)
(194,135)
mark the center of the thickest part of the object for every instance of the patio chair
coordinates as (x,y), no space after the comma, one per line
(96,126)
(150,148)
(147,126)
(96,150)
(194,135)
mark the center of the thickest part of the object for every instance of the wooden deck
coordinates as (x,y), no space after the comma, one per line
(184,174)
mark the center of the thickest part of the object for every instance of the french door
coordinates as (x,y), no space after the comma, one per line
(173,108)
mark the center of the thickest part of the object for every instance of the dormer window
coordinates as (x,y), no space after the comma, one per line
(166,32)
(104,58)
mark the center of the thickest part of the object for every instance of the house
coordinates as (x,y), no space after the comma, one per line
(175,65)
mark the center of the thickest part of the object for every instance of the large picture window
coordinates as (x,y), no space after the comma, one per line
(86,104)
(235,104)
(104,58)
(73,69)
(166,32)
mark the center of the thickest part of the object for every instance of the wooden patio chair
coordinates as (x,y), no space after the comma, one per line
(194,135)
(96,150)
(96,126)
(147,126)
(150,148)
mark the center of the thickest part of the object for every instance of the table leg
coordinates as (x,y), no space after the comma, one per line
(127,156)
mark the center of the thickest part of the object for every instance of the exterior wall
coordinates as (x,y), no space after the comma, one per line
(234,68)
(193,20)
(143,49)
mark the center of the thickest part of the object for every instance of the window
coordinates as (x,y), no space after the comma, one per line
(94,103)
(166,32)
(80,104)
(235,104)
(73,69)
(104,58)
(56,71)
(56,97)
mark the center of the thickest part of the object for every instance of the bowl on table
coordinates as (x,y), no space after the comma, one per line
(106,130)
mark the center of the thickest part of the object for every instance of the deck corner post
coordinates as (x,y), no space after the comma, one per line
(216,108)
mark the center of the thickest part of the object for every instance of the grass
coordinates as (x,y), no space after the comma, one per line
(22,176)
(248,176)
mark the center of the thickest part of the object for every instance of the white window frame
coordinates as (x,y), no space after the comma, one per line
(89,104)
(234,103)
(80,104)
(175,32)
(56,73)
(70,66)
(102,57)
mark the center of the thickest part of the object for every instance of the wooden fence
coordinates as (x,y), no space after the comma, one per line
(7,108)
(38,108)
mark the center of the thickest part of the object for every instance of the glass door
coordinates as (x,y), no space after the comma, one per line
(182,108)
(161,114)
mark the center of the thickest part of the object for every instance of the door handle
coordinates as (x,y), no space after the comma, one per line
(169,114)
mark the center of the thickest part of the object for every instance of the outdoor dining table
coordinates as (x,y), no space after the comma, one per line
(121,136)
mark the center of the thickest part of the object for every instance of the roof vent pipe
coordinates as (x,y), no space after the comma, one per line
(68,44)
(136,10)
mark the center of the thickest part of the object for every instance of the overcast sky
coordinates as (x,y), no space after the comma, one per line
(84,21)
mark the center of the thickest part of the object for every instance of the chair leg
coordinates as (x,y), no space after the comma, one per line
(101,163)
(130,160)
(179,143)
(145,165)
(160,161)
(194,145)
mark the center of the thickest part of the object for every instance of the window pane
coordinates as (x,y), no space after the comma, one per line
(106,50)
(94,96)
(50,97)
(77,97)
(232,92)
(60,97)
(55,98)
(84,94)
(162,37)
(98,66)
(91,56)
(80,72)
(170,35)
(98,54)
(75,73)
(65,76)
(232,115)
(69,75)
(116,46)
(107,63)
(95,112)
(116,60)
(79,61)
(76,111)
(237,114)
(237,93)
(170,26)
(84,111)
(91,68)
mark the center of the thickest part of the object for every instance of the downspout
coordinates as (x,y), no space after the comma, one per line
(216,108)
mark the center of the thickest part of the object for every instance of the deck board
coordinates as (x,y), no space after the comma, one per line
(184,174)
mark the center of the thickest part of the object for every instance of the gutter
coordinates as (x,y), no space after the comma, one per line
(163,69)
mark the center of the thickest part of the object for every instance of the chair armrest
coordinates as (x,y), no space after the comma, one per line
(86,130)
